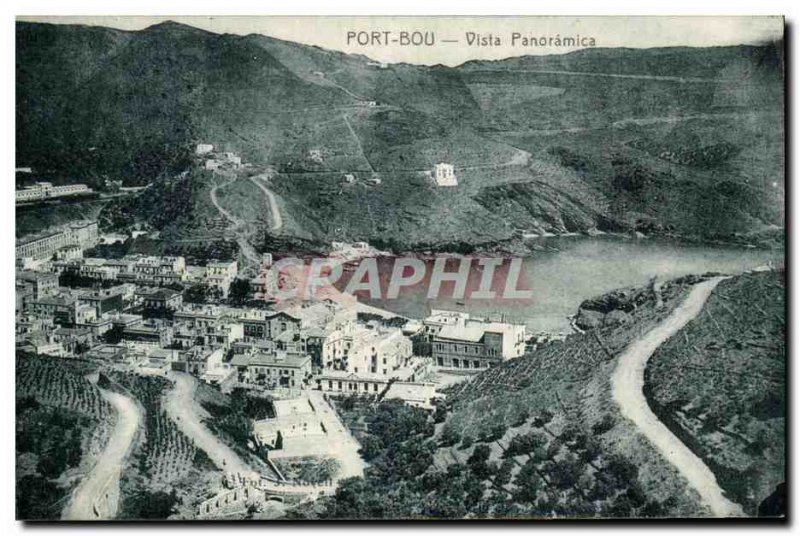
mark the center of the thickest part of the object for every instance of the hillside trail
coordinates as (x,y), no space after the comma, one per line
(272,202)
(240,229)
(627,384)
(97,496)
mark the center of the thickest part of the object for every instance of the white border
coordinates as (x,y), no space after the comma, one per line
(302,7)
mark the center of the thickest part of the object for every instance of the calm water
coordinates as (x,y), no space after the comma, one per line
(586,267)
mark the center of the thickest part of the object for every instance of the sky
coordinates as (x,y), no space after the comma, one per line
(451,33)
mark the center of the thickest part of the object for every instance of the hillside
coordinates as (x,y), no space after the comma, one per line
(62,422)
(538,436)
(670,141)
(541,435)
(721,385)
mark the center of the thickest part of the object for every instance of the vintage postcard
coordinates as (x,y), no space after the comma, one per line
(400,268)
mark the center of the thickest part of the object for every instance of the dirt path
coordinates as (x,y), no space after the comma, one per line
(627,385)
(238,227)
(187,414)
(97,496)
(225,214)
(358,141)
(277,219)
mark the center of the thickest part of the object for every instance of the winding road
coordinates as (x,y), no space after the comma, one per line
(627,384)
(97,496)
(277,220)
(240,228)
(187,414)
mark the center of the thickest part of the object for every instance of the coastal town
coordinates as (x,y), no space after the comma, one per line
(258,278)
(138,314)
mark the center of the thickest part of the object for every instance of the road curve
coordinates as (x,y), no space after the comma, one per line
(277,220)
(97,496)
(186,412)
(627,384)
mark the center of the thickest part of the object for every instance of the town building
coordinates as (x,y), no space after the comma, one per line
(278,369)
(151,334)
(41,283)
(416,394)
(109,300)
(458,341)
(346,382)
(43,245)
(203,148)
(160,299)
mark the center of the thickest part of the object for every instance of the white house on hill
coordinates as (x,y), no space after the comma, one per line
(444,175)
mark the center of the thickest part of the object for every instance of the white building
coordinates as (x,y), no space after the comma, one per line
(203,148)
(444,175)
(44,244)
(46,190)
(458,341)
(363,349)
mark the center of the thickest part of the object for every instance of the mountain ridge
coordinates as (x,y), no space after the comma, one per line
(641,152)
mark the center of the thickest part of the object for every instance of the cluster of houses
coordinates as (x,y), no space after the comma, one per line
(75,237)
(322,345)
(130,313)
(151,270)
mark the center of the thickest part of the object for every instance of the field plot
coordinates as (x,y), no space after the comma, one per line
(62,423)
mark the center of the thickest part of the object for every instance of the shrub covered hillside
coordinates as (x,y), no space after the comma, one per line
(62,420)
(685,141)
(720,385)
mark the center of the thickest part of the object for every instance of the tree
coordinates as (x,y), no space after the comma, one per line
(544,418)
(450,435)
(239,291)
(503,474)
(525,444)
(197,294)
(477,461)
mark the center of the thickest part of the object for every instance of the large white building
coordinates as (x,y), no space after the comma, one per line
(444,175)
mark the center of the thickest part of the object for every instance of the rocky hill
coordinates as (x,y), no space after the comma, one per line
(682,141)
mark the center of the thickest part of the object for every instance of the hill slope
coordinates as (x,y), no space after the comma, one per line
(685,141)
